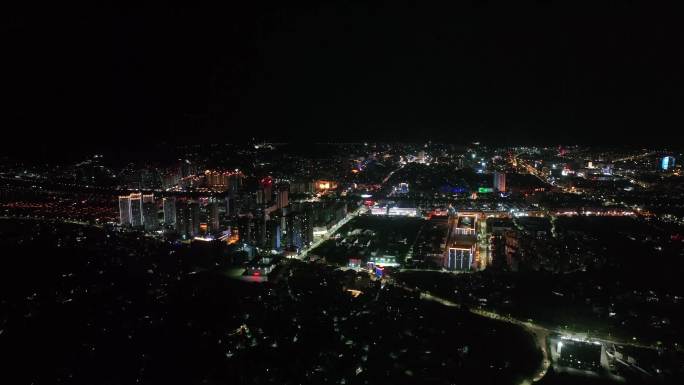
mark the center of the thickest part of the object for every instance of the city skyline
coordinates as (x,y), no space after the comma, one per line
(313,244)
(342,193)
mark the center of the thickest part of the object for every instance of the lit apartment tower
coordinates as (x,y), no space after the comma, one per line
(215,180)
(194,212)
(170,178)
(170,212)
(235,181)
(299,229)
(308,226)
(293,230)
(273,234)
(213,216)
(266,185)
(229,206)
(282,199)
(261,229)
(246,229)
(136,210)
(499,181)
(183,219)
(149,212)
(125,210)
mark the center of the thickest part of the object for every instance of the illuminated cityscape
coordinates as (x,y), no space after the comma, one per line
(525,238)
(343,194)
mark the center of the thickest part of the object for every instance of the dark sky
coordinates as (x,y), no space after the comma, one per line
(117,76)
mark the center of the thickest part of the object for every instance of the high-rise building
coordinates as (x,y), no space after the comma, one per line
(183,219)
(667,163)
(149,212)
(282,199)
(213,216)
(188,219)
(125,210)
(136,210)
(194,212)
(170,212)
(235,181)
(299,187)
(499,181)
(273,233)
(170,178)
(308,226)
(293,231)
(299,228)
(230,206)
(266,185)
(247,229)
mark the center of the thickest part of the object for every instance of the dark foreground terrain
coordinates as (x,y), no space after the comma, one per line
(82,305)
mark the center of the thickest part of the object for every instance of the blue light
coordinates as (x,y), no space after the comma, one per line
(667,163)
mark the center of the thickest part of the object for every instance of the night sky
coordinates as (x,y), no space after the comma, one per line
(108,76)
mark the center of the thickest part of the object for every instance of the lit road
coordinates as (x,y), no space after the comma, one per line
(540,333)
(531,170)
(390,174)
(330,232)
(341,223)
(634,157)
